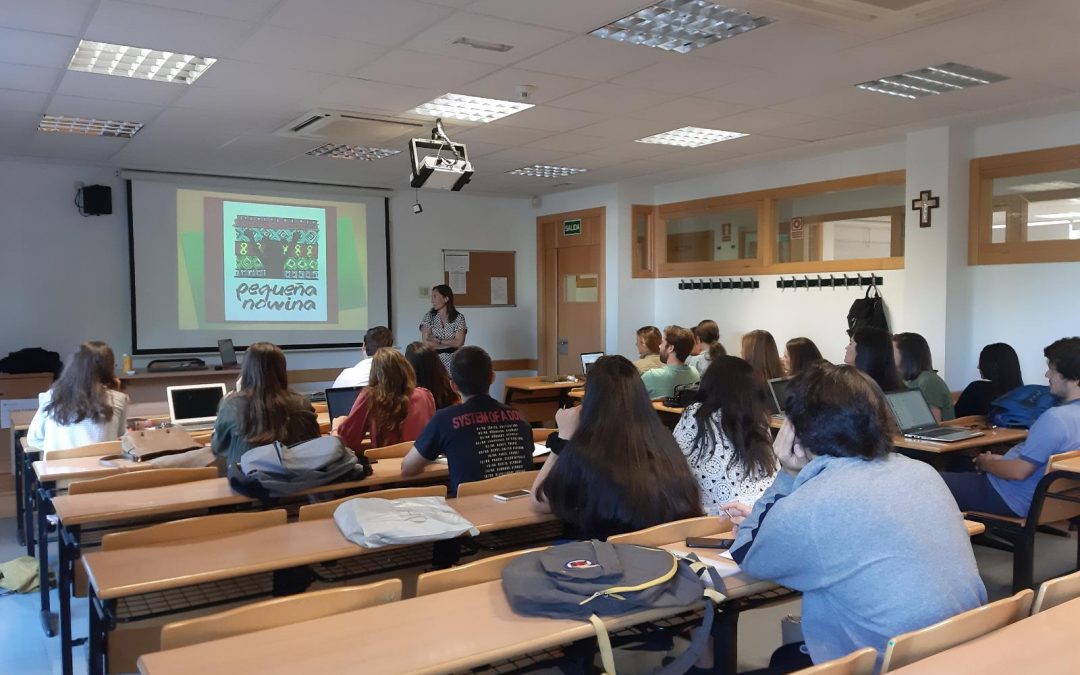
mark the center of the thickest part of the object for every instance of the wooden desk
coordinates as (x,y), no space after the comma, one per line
(1044,643)
(147,386)
(578,394)
(991,436)
(536,399)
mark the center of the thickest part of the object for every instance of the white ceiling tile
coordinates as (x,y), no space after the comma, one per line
(166,29)
(477,149)
(571,15)
(508,136)
(402,66)
(28,78)
(862,106)
(93,85)
(589,161)
(376,96)
(612,99)
(96,108)
(74,146)
(760,120)
(625,152)
(241,76)
(526,40)
(689,111)
(592,59)
(307,51)
(749,145)
(503,84)
(527,156)
(697,156)
(16,128)
(262,149)
(63,17)
(258,106)
(243,10)
(381,22)
(567,143)
(36,49)
(546,118)
(24,101)
(765,91)
(624,128)
(779,45)
(817,130)
(687,74)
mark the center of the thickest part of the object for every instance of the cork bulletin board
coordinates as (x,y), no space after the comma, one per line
(480,278)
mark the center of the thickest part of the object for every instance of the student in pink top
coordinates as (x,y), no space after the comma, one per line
(391,409)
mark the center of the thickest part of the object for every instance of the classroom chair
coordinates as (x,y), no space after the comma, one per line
(389,451)
(1020,532)
(859,662)
(279,612)
(521,480)
(135,480)
(910,647)
(200,527)
(669,533)
(326,509)
(91,450)
(1057,591)
(476,572)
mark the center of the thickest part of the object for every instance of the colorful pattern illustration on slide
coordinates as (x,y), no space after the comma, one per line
(276,248)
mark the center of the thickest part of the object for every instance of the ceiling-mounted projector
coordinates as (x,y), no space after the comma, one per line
(439,163)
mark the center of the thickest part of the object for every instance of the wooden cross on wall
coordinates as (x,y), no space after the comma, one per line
(923,205)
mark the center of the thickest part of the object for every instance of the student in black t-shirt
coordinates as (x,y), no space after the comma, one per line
(481,438)
(1000,370)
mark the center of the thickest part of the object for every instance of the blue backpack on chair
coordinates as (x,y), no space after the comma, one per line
(1020,407)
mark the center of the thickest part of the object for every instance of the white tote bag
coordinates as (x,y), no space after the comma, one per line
(373,522)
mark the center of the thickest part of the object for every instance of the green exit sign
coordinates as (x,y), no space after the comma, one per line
(571,227)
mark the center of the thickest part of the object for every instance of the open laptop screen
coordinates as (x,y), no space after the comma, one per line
(588,359)
(194,402)
(910,409)
(227,352)
(339,401)
(778,388)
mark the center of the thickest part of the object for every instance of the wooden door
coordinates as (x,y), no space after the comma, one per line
(571,283)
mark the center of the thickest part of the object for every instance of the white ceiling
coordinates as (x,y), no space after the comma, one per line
(788,84)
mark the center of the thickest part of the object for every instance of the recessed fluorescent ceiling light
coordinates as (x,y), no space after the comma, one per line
(691,137)
(545,171)
(88,127)
(931,81)
(336,151)
(138,62)
(681,25)
(470,108)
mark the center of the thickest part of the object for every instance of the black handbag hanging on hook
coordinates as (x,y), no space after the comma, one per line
(868,311)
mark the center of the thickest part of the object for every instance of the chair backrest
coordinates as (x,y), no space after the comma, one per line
(103,448)
(859,662)
(1054,592)
(389,451)
(668,533)
(541,435)
(200,527)
(919,644)
(278,612)
(326,509)
(476,572)
(1053,510)
(522,480)
(134,480)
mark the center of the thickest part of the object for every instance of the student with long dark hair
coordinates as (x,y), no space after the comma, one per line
(614,467)
(870,350)
(431,374)
(443,327)
(391,409)
(999,368)
(264,409)
(799,353)
(759,350)
(912,355)
(84,406)
(725,436)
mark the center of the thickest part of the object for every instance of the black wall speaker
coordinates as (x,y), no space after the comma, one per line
(96,200)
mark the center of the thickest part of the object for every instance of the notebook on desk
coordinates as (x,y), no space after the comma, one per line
(913,416)
(194,406)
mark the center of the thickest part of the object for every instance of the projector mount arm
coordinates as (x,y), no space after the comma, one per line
(438,134)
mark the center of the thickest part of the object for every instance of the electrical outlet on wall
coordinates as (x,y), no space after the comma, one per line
(425,291)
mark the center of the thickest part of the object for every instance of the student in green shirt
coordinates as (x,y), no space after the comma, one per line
(917,370)
(675,348)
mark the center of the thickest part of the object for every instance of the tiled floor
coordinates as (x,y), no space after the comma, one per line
(24,649)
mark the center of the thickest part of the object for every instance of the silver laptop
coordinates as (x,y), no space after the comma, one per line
(194,406)
(587,361)
(915,420)
(778,389)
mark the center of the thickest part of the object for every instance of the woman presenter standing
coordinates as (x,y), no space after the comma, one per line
(443,327)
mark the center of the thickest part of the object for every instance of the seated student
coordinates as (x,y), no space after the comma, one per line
(725,437)
(648,346)
(431,374)
(84,406)
(357,376)
(480,437)
(873,539)
(1005,484)
(263,409)
(706,334)
(674,349)
(799,353)
(391,409)
(1000,369)
(912,355)
(870,350)
(614,467)
(759,350)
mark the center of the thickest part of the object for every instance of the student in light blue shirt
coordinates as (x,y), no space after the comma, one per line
(1005,484)
(675,348)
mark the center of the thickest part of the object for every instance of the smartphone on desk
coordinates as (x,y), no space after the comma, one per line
(709,542)
(512,494)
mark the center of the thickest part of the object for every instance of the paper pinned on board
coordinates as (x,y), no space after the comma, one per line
(499,294)
(457,261)
(457,282)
